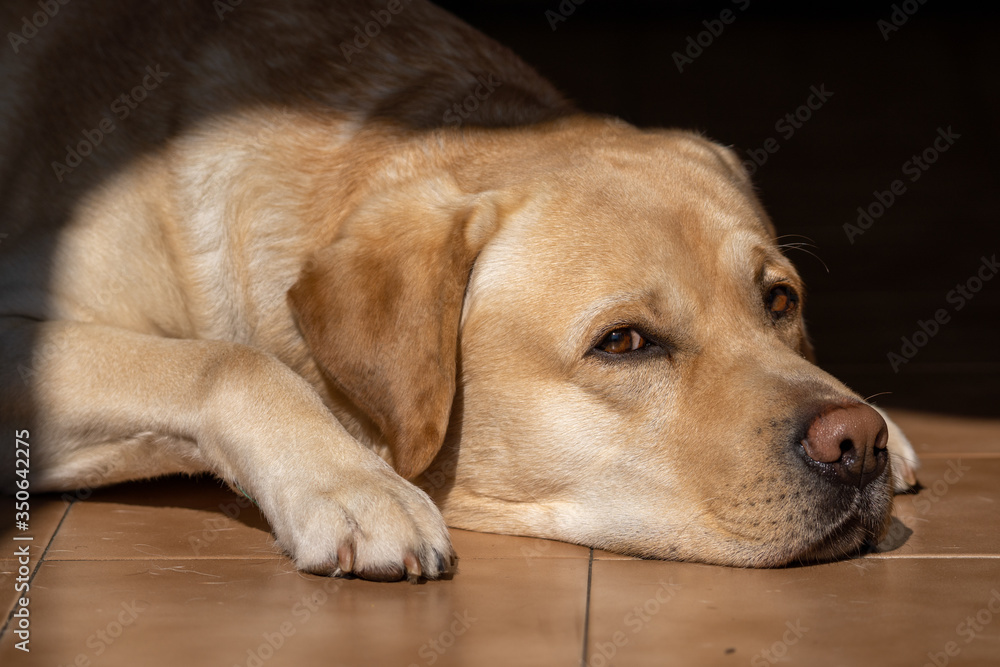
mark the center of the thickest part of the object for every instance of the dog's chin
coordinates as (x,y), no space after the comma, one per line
(854,525)
(851,534)
(850,529)
(854,538)
(858,529)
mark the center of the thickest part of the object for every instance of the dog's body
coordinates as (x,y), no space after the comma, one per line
(292,248)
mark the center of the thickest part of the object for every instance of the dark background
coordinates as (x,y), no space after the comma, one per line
(940,69)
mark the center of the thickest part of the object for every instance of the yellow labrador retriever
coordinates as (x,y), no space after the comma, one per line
(366,266)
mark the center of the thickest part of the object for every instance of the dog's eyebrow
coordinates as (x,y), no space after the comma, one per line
(782,270)
(743,247)
(765,259)
(623,308)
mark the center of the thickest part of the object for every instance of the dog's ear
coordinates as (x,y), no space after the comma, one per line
(380,309)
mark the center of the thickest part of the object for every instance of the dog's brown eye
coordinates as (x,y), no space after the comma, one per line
(622,340)
(781,300)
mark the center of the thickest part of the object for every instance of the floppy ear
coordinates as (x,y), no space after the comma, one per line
(380,309)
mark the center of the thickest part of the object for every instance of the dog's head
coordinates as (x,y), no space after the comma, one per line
(589,333)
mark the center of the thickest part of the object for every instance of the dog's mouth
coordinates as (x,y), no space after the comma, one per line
(844,507)
(838,523)
(850,531)
(860,519)
(853,535)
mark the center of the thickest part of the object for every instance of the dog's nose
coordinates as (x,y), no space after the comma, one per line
(848,441)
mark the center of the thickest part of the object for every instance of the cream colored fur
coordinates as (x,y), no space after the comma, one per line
(289,270)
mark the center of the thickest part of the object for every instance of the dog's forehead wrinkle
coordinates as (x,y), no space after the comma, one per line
(623,169)
(621,309)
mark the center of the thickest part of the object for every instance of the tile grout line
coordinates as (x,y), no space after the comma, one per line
(873,556)
(38,566)
(586,610)
(938,455)
(932,556)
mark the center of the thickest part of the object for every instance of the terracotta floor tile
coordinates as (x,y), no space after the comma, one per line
(956,514)
(45,513)
(877,612)
(207,588)
(195,518)
(222,612)
(169,518)
(943,435)
(470,545)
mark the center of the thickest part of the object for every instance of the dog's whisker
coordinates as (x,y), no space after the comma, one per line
(818,258)
(900,457)
(801,236)
(798,244)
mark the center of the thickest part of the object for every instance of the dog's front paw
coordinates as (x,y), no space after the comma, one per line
(372,524)
(903,458)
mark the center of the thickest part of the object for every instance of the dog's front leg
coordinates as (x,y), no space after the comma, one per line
(904,459)
(94,392)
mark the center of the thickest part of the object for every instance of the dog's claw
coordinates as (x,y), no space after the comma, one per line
(345,558)
(446,562)
(908,474)
(413,571)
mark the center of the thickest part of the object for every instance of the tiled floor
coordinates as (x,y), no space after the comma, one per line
(181,572)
